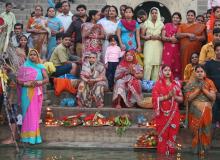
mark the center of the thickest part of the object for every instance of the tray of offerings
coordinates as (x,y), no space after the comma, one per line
(147,141)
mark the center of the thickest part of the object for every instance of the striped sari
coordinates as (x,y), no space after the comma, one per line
(200,115)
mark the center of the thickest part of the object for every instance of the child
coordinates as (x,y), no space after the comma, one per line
(112,56)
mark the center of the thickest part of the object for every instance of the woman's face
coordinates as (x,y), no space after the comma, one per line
(38,11)
(23,41)
(190,17)
(129,57)
(92,59)
(51,12)
(217,13)
(167,72)
(154,14)
(195,59)
(97,16)
(128,14)
(112,12)
(33,56)
(176,19)
(200,73)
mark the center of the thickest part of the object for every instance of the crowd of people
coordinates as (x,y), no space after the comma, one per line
(101,47)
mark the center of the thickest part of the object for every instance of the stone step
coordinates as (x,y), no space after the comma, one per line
(60,112)
(85,136)
(57,99)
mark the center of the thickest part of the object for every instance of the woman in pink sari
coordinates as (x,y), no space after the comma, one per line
(171,49)
(128,75)
(166,95)
(31,76)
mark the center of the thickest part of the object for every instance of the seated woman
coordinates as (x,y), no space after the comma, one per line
(166,96)
(91,89)
(127,90)
(200,93)
(189,69)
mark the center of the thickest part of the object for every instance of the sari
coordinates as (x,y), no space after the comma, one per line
(88,93)
(39,40)
(200,115)
(54,24)
(31,101)
(153,48)
(171,51)
(167,117)
(92,44)
(128,86)
(187,46)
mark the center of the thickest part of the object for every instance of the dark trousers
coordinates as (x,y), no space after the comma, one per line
(216,111)
(110,73)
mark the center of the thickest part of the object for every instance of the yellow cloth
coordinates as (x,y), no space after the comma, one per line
(207,53)
(140,58)
(188,72)
(50,68)
(60,55)
(4,76)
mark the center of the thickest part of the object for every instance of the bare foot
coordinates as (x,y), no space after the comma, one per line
(118,106)
(8,141)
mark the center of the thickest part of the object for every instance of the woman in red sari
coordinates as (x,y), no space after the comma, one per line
(171,48)
(166,96)
(191,36)
(128,75)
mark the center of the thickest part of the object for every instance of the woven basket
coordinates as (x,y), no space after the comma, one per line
(146,103)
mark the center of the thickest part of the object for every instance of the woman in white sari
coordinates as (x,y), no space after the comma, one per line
(153,45)
(109,25)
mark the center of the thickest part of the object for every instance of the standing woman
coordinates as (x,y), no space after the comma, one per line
(37,26)
(200,94)
(56,27)
(128,32)
(31,76)
(109,25)
(166,96)
(153,45)
(191,36)
(22,50)
(92,35)
(171,48)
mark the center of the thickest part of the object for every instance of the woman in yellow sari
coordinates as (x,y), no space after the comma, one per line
(200,93)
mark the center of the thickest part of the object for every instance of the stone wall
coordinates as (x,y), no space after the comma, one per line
(172,5)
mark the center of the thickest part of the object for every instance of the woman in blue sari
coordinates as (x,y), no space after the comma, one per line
(55,26)
(31,76)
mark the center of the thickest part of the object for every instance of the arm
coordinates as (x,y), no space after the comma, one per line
(85,32)
(201,38)
(45,77)
(71,28)
(102,34)
(138,39)
(143,34)
(202,55)
(193,94)
(118,33)
(210,94)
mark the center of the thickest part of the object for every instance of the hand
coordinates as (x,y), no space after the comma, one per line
(173,39)
(155,37)
(53,33)
(131,69)
(192,37)
(123,47)
(138,49)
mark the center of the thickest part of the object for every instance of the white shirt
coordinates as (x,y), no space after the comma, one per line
(66,20)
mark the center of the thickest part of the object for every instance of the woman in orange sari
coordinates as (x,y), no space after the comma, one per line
(191,36)
(39,30)
(200,94)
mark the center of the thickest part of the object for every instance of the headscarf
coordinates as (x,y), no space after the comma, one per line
(125,63)
(38,55)
(158,22)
